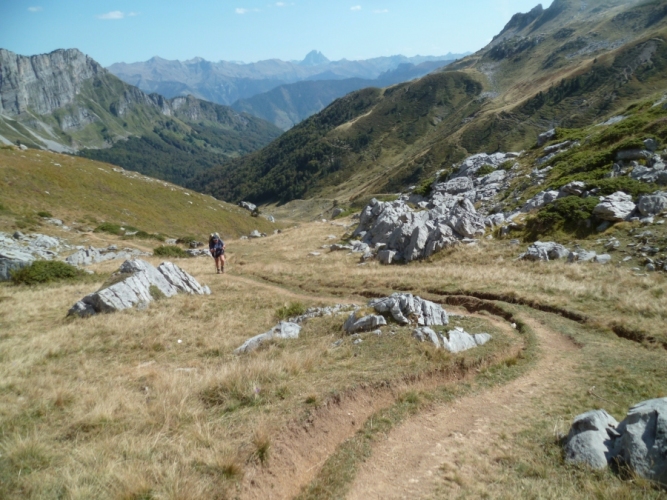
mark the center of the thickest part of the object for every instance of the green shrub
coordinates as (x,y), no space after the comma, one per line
(626,184)
(290,310)
(570,214)
(424,189)
(46,271)
(149,236)
(507,165)
(485,170)
(45,214)
(170,251)
(109,227)
(185,240)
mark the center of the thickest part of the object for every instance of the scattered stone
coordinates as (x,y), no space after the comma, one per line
(652,204)
(256,234)
(545,251)
(251,207)
(357,342)
(283,330)
(425,333)
(314,254)
(136,288)
(271,218)
(574,188)
(336,212)
(539,200)
(337,343)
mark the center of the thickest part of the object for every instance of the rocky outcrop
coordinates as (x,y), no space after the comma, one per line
(139,283)
(91,255)
(251,207)
(638,442)
(366,323)
(615,207)
(43,83)
(20,250)
(283,330)
(406,308)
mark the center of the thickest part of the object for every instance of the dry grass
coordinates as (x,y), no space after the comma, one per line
(115,406)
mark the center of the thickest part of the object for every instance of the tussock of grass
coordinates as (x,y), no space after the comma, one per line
(290,310)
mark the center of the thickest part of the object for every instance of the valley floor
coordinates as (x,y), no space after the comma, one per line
(154,404)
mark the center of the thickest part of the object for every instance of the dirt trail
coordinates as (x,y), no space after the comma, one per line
(464,437)
(298,454)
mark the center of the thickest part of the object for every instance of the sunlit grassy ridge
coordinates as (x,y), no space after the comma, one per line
(77,189)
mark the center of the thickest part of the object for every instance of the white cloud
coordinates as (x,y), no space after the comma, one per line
(381,11)
(34,9)
(356,7)
(114,15)
(240,10)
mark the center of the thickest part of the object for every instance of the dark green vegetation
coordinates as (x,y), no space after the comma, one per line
(571,65)
(46,271)
(176,151)
(127,232)
(170,251)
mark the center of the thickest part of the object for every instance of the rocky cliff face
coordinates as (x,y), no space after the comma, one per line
(43,83)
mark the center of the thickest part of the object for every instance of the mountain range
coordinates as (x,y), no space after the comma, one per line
(574,64)
(226,82)
(65,101)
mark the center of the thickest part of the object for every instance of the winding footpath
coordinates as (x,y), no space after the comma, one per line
(464,436)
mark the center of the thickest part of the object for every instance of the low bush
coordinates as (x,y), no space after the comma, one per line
(424,189)
(109,227)
(46,271)
(45,214)
(290,310)
(570,214)
(485,170)
(170,251)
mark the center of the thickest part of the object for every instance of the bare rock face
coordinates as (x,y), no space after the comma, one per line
(136,288)
(652,204)
(43,83)
(457,340)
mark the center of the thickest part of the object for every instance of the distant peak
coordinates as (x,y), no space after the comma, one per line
(314,58)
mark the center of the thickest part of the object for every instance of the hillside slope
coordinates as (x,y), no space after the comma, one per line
(85,193)
(287,105)
(571,65)
(65,101)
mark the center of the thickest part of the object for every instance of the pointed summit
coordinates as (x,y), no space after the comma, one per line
(314,58)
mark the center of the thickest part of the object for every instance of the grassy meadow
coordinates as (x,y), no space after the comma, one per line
(154,404)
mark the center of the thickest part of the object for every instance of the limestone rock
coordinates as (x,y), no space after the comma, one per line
(591,439)
(539,200)
(547,250)
(425,333)
(642,444)
(363,324)
(459,340)
(574,188)
(283,330)
(135,288)
(545,137)
(248,206)
(615,207)
(652,204)
(406,308)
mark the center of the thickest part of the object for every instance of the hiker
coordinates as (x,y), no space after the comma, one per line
(217,248)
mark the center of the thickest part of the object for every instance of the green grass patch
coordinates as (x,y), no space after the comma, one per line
(44,214)
(110,228)
(171,251)
(570,214)
(47,271)
(290,310)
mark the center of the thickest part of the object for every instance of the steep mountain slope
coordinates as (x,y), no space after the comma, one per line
(574,64)
(287,105)
(226,82)
(85,193)
(65,101)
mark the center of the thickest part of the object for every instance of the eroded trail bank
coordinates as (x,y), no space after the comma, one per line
(459,440)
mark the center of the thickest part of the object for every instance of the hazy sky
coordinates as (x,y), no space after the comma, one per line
(251,30)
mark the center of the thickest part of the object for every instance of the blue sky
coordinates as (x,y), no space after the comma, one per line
(251,30)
